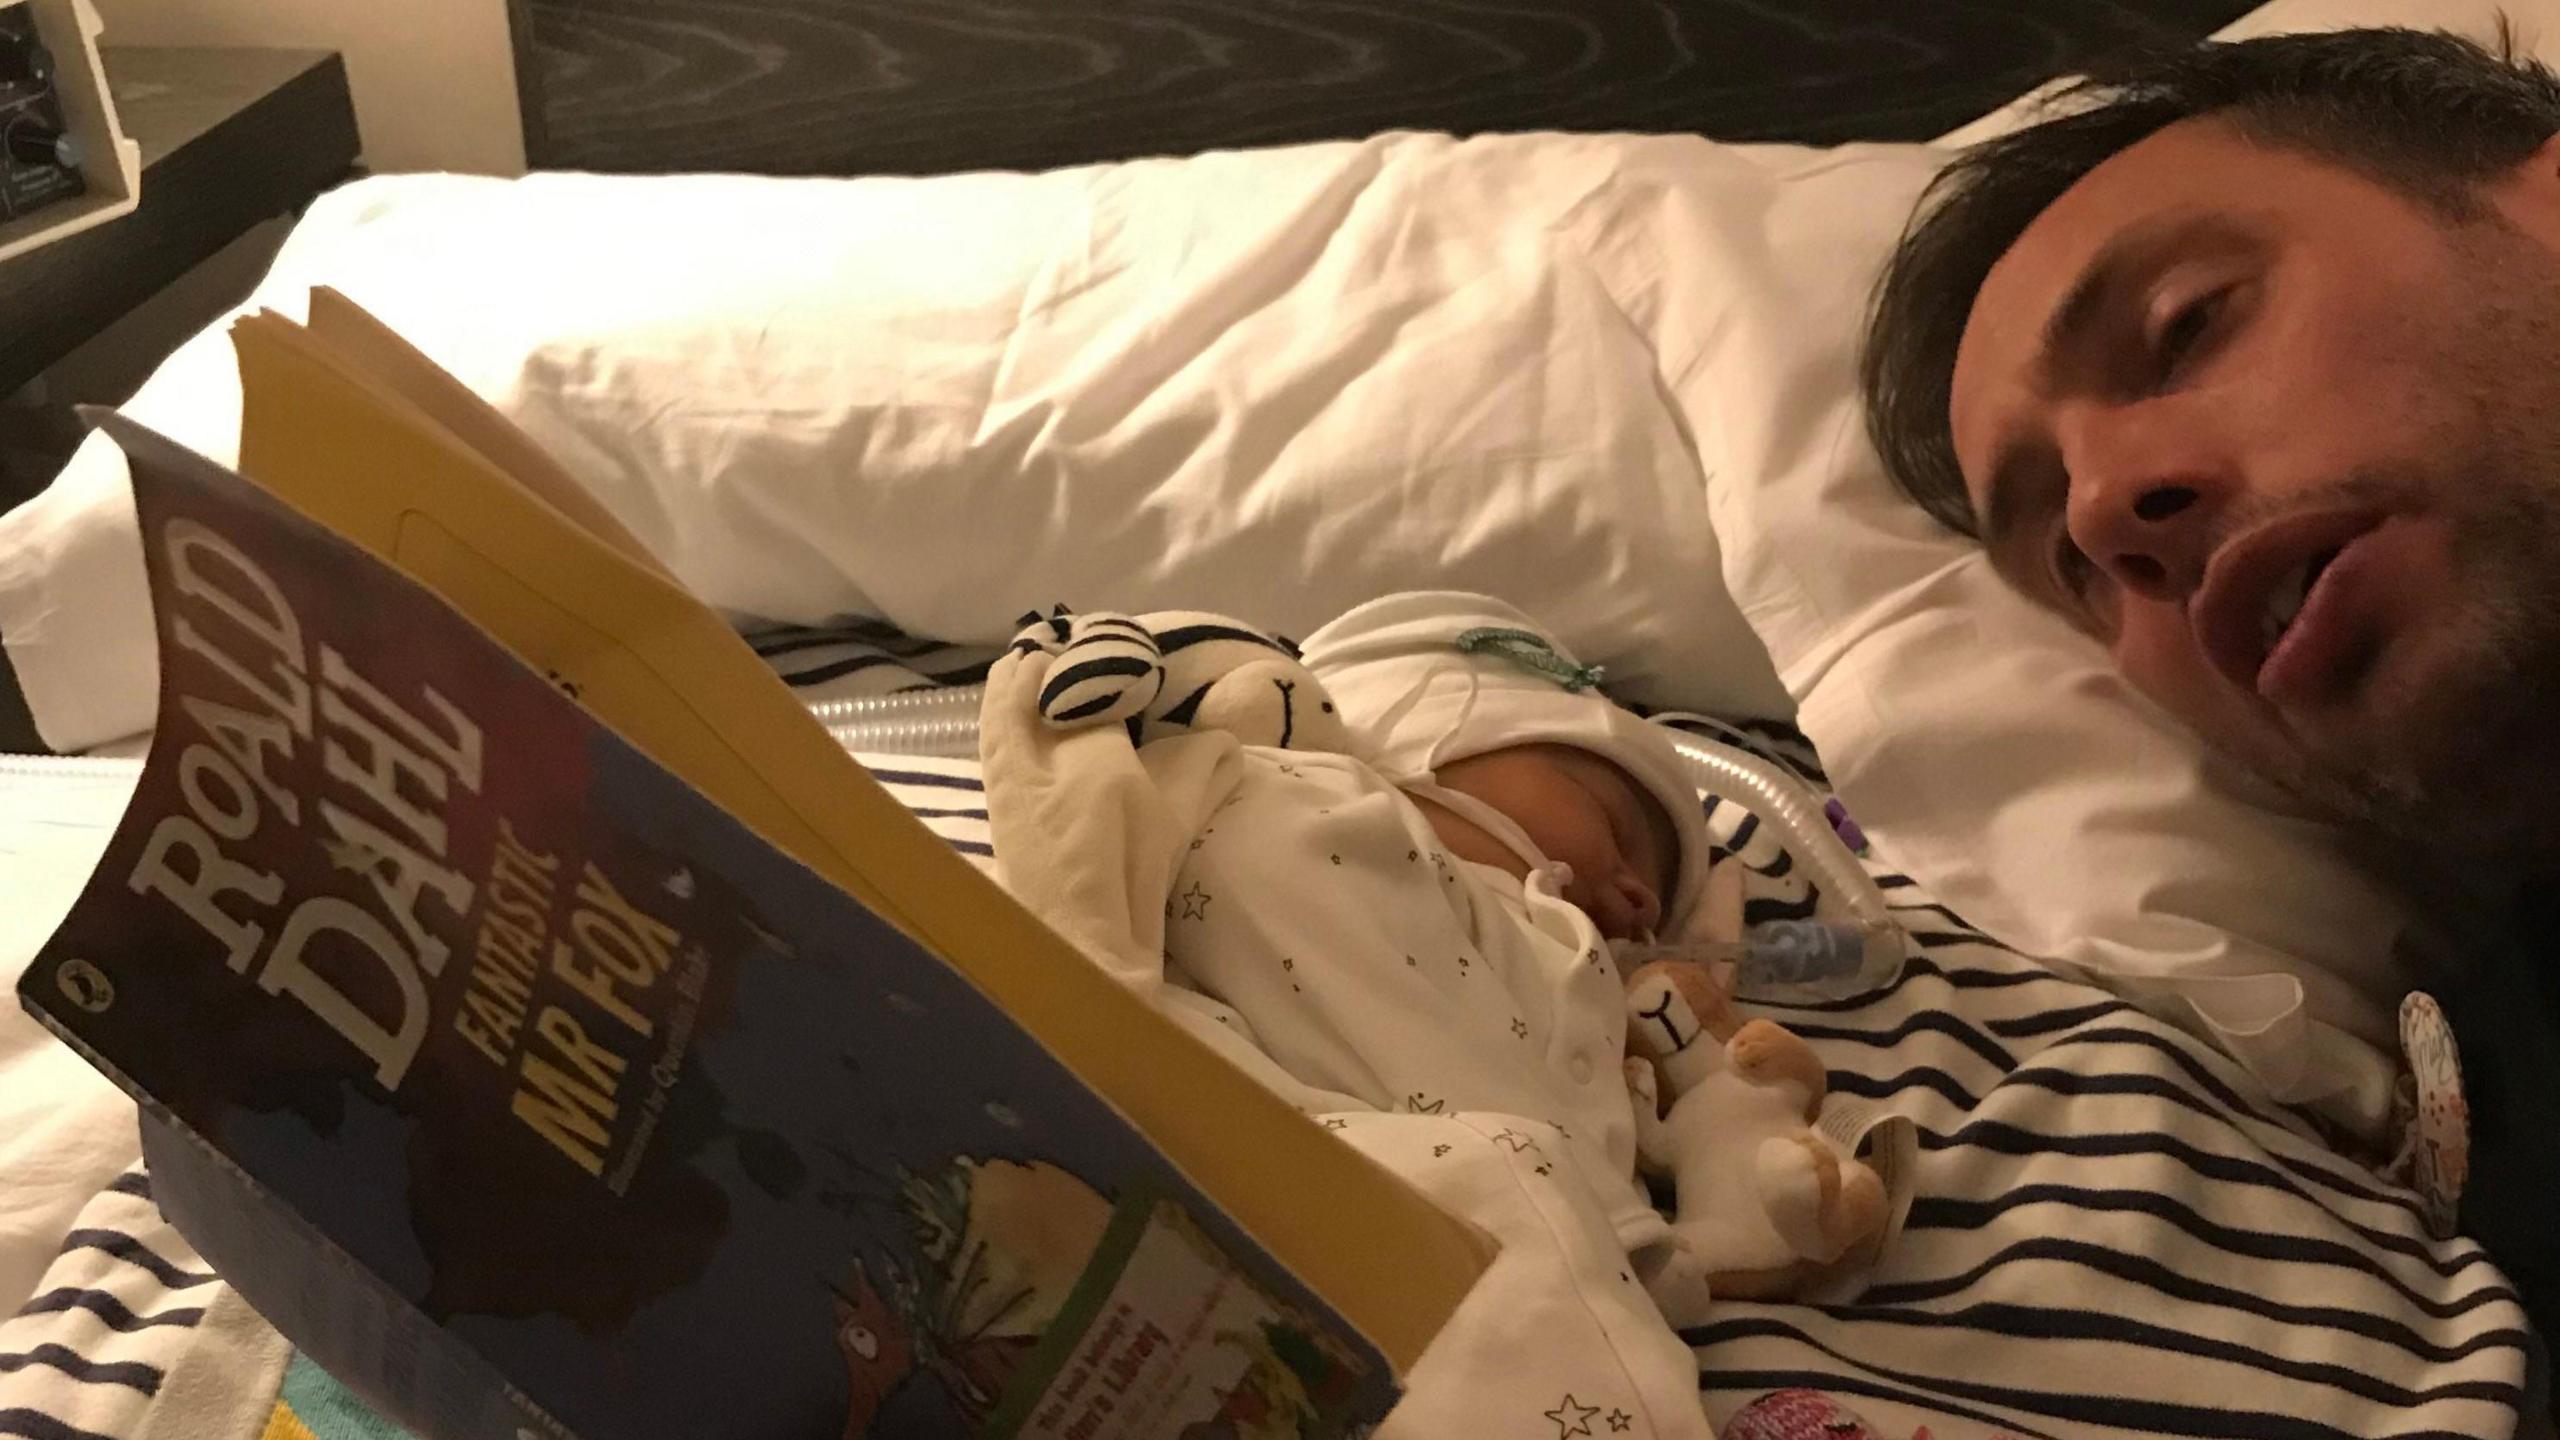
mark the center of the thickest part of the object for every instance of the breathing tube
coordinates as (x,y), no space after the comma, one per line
(1857,947)
(917,722)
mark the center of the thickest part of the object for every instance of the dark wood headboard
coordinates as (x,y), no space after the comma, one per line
(844,87)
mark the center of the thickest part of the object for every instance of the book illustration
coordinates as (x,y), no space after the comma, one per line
(1163,1337)
(1290,1382)
(1002,1248)
(878,1350)
(1293,1375)
(992,1250)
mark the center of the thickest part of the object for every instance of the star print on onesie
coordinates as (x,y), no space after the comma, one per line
(1572,1418)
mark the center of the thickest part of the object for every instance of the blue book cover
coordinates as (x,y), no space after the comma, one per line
(532,1095)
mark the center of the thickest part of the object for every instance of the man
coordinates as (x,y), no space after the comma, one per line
(2249,364)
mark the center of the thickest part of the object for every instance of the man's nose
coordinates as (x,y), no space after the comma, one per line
(2145,490)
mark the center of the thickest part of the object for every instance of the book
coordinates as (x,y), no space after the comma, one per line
(544,1023)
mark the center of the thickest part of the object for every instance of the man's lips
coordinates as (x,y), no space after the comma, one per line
(2246,579)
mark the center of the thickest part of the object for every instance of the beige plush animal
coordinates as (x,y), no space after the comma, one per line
(1765,1201)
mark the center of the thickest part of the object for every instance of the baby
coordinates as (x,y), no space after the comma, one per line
(1401,924)
(1421,925)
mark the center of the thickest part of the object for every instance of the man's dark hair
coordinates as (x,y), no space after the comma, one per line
(2429,114)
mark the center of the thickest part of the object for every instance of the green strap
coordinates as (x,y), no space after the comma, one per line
(1530,651)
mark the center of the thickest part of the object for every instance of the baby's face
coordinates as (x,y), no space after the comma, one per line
(1588,813)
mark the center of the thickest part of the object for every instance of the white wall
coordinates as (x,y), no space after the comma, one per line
(434,80)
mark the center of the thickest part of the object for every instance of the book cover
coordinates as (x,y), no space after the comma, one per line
(385,450)
(513,1077)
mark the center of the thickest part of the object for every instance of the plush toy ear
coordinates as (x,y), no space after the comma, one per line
(1108,670)
(1049,632)
(1224,676)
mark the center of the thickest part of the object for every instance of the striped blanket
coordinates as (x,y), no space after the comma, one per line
(2116,1232)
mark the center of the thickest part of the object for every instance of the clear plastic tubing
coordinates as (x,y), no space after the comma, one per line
(1733,774)
(917,722)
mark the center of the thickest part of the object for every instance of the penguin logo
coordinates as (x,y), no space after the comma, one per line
(85,986)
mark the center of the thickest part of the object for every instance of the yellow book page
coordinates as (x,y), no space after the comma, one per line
(379,354)
(667,674)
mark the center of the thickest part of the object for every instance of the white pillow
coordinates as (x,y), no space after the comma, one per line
(1986,747)
(1274,383)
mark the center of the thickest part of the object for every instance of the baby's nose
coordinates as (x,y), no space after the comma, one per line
(1643,908)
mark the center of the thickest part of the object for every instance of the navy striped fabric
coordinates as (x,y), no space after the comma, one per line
(856,658)
(2115,1233)
(86,1356)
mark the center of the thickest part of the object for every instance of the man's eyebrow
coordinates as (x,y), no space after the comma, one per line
(2068,327)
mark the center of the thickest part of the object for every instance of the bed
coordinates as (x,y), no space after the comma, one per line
(1579,343)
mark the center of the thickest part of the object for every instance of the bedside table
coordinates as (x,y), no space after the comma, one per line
(229,137)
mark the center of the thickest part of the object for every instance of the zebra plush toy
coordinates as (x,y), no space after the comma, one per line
(1174,671)
(1090,824)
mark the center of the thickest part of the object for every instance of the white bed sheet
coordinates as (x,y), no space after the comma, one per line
(65,1131)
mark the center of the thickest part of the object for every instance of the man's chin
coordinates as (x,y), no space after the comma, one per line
(2461,771)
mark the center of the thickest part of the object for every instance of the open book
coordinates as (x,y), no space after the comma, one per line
(552,1031)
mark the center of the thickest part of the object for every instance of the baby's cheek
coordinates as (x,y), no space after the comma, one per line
(1466,840)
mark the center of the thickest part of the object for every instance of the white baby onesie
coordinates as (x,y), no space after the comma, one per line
(1466,1029)
(1319,909)
(1461,1071)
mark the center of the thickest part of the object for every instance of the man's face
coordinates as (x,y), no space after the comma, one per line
(2288,442)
